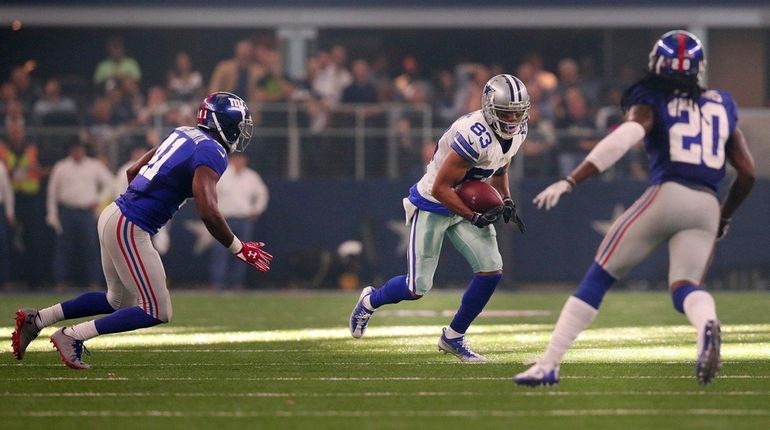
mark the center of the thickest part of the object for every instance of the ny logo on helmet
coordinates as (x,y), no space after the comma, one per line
(238,104)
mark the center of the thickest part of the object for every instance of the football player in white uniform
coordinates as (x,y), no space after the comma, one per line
(478,146)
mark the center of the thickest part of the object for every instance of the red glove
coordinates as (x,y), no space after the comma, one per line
(252,254)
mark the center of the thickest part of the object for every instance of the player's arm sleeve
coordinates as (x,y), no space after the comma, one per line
(610,149)
(466,148)
(211,155)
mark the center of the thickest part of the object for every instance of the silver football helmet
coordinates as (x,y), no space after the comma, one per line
(505,104)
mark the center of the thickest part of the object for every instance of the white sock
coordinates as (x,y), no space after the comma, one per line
(367,302)
(49,316)
(700,308)
(575,317)
(451,334)
(82,331)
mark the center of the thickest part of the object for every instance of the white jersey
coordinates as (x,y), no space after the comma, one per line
(471,138)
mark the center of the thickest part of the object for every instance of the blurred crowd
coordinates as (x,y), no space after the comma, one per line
(63,138)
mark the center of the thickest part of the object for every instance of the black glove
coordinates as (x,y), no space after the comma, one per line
(724,227)
(509,213)
(488,217)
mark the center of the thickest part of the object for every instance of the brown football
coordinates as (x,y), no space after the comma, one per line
(479,196)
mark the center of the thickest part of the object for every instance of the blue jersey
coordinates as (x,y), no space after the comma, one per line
(687,143)
(165,182)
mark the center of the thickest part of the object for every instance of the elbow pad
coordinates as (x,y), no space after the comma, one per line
(610,149)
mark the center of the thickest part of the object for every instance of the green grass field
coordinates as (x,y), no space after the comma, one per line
(286,360)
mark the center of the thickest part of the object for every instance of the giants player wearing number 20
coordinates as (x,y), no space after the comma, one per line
(188,163)
(478,146)
(689,133)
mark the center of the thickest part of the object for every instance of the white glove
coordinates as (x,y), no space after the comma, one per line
(550,196)
(54,223)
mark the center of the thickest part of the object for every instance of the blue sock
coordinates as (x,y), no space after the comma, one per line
(680,293)
(394,291)
(125,319)
(475,298)
(594,285)
(86,305)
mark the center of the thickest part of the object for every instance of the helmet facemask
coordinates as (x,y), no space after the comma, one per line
(241,141)
(506,121)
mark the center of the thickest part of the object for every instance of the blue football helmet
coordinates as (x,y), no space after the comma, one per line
(678,53)
(228,115)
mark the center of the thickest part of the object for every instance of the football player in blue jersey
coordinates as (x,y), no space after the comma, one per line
(480,146)
(689,133)
(188,163)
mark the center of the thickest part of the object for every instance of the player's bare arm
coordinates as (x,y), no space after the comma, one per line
(739,156)
(450,174)
(136,167)
(639,122)
(204,188)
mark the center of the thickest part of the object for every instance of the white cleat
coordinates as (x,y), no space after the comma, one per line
(538,374)
(359,318)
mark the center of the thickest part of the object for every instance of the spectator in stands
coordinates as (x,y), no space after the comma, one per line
(447,102)
(156,108)
(184,83)
(27,91)
(239,74)
(243,198)
(479,75)
(333,76)
(577,131)
(116,67)
(361,90)
(7,220)
(272,86)
(78,186)
(14,113)
(7,95)
(26,171)
(568,79)
(541,138)
(126,101)
(590,83)
(101,126)
(52,102)
(547,80)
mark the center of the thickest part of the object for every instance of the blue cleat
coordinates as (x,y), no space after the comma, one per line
(359,319)
(460,348)
(538,375)
(709,361)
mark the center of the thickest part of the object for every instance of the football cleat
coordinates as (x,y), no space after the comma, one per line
(26,331)
(538,375)
(70,349)
(709,361)
(359,319)
(460,347)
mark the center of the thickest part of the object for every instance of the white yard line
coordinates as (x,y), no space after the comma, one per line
(392,414)
(362,378)
(515,393)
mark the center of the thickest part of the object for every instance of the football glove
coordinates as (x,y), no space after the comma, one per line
(252,254)
(488,217)
(549,197)
(509,214)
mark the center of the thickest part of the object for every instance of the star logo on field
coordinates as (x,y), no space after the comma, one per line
(603,226)
(402,231)
(203,238)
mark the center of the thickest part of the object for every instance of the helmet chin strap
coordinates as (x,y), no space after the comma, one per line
(222,135)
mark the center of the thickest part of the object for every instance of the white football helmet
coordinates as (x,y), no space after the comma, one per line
(505,104)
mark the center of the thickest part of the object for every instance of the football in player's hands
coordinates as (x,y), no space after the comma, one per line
(479,196)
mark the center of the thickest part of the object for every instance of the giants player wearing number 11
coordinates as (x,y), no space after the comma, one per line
(689,132)
(187,164)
